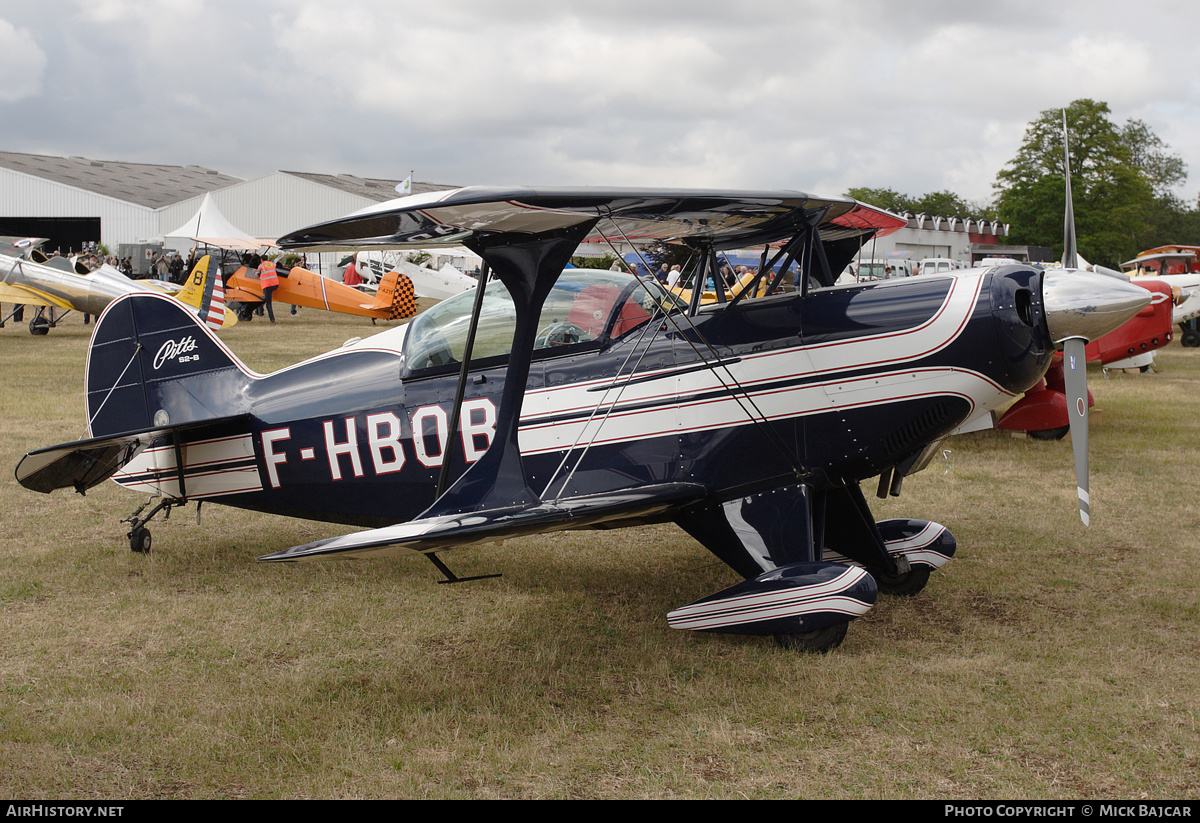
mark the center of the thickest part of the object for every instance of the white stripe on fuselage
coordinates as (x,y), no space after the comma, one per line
(210,469)
(676,415)
(866,352)
(688,400)
(697,397)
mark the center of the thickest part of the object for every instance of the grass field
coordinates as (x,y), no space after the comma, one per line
(1048,660)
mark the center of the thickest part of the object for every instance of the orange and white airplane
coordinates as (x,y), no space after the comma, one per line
(395,299)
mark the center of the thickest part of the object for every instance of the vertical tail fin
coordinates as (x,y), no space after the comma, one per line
(397,295)
(156,375)
(207,294)
(153,364)
(212,310)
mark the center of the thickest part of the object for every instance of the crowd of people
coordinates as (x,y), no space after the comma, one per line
(168,268)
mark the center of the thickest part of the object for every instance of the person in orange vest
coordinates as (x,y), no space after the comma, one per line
(268,278)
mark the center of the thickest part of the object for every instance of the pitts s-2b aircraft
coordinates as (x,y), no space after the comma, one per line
(554,398)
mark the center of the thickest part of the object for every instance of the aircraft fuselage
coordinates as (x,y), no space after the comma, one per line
(838,384)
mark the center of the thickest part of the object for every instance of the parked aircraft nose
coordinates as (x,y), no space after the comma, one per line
(1088,305)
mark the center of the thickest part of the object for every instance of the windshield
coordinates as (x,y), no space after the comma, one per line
(583,305)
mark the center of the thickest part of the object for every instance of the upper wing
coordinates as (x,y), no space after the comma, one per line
(489,525)
(728,219)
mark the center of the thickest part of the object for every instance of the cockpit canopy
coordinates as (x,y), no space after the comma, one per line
(585,307)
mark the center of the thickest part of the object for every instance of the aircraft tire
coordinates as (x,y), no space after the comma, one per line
(906,584)
(819,641)
(1050,434)
(1190,339)
(39,325)
(140,540)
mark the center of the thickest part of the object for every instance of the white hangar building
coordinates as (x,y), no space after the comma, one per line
(76,200)
(957,238)
(73,200)
(271,206)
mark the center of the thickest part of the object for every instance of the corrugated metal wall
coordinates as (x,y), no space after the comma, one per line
(268,207)
(22,195)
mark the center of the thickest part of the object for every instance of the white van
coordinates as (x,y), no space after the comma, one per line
(939,265)
(869,270)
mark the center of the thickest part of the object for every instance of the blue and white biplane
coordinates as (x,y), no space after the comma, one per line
(556,398)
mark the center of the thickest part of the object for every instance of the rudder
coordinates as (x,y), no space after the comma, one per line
(397,295)
(152,364)
(207,294)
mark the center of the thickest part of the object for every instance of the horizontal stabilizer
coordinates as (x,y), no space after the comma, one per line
(490,525)
(87,463)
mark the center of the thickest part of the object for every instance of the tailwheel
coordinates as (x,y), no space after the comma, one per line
(905,584)
(138,534)
(140,540)
(818,641)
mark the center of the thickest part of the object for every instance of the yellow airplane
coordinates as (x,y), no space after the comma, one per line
(29,278)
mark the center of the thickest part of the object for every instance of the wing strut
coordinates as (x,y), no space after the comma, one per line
(528,269)
(737,392)
(461,389)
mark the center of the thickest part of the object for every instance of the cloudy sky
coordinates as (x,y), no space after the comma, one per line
(918,96)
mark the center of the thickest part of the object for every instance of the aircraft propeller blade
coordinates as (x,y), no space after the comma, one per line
(1081,307)
(1075,371)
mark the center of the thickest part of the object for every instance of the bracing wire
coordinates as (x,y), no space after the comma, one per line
(736,391)
(116,383)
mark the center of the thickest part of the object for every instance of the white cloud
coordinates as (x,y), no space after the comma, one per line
(920,96)
(22,64)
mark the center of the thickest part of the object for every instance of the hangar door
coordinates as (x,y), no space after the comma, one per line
(67,234)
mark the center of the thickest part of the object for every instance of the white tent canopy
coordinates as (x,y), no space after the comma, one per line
(209,226)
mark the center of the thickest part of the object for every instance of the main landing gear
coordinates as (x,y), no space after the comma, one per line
(814,642)
(813,558)
(1190,337)
(906,583)
(42,321)
(139,536)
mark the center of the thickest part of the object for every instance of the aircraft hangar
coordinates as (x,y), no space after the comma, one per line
(76,200)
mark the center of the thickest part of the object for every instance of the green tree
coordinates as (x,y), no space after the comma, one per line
(657,253)
(1149,153)
(605,262)
(1120,182)
(943,202)
(883,198)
